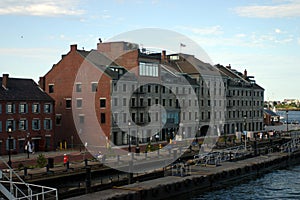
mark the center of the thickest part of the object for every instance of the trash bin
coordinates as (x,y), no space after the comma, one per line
(137,150)
(51,162)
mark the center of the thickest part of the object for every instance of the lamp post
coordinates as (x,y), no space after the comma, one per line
(245,117)
(28,145)
(129,137)
(287,121)
(9,130)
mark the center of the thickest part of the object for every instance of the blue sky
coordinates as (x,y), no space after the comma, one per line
(260,36)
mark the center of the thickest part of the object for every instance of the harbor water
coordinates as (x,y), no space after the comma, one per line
(280,184)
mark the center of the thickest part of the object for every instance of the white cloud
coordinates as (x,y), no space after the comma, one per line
(40,7)
(288,9)
(213,30)
(277,30)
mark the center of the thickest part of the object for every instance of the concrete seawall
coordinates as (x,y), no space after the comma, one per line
(200,179)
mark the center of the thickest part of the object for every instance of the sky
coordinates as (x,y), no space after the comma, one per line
(258,35)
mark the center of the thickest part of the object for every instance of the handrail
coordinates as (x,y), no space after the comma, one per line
(16,192)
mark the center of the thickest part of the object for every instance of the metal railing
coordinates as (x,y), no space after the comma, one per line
(12,186)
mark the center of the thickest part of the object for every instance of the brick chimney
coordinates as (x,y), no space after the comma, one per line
(42,82)
(163,55)
(5,80)
(245,74)
(73,47)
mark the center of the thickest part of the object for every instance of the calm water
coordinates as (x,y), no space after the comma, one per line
(280,184)
(292,116)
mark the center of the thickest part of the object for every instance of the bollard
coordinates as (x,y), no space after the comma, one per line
(118,158)
(132,156)
(180,150)
(158,153)
(25,171)
(130,174)
(88,180)
(146,155)
(85,162)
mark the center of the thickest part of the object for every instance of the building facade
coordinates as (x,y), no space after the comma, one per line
(26,114)
(139,96)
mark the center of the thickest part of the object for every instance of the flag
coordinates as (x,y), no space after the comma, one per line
(182,45)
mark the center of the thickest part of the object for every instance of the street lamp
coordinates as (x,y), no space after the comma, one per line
(245,117)
(129,137)
(9,130)
(287,121)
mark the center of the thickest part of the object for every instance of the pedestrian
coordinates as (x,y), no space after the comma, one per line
(32,148)
(66,159)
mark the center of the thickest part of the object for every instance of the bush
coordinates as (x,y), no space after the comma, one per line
(41,161)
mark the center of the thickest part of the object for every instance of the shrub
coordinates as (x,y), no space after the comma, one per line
(41,161)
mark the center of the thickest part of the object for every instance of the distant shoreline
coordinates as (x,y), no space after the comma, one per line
(289,109)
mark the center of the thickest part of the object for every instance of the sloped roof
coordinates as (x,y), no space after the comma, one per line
(19,89)
(270,112)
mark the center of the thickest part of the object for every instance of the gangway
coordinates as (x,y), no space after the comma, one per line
(291,146)
(12,186)
(216,157)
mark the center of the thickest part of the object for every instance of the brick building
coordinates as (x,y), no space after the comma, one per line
(28,112)
(112,93)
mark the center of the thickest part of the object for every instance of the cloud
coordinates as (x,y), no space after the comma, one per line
(288,9)
(277,30)
(40,7)
(212,30)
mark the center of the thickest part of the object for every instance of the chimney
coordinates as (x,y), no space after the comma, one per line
(229,66)
(163,55)
(42,82)
(5,80)
(245,74)
(73,47)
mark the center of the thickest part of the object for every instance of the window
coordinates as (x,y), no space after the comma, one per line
(149,88)
(102,118)
(36,124)
(48,108)
(156,89)
(133,117)
(47,124)
(23,124)
(23,108)
(124,87)
(133,102)
(148,69)
(10,123)
(124,101)
(115,101)
(149,102)
(124,118)
(78,103)
(142,117)
(51,88)
(58,119)
(164,102)
(102,103)
(78,87)
(10,108)
(170,102)
(35,108)
(68,103)
(141,102)
(115,118)
(94,86)
(81,119)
